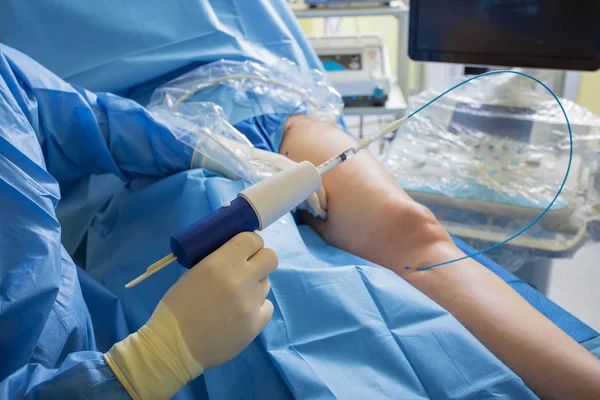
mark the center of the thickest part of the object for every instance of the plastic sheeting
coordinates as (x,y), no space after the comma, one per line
(489,157)
(232,92)
(246,89)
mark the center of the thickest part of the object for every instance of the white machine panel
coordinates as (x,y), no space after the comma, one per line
(357,65)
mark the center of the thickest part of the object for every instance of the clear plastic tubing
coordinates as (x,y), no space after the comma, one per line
(337,160)
(363,144)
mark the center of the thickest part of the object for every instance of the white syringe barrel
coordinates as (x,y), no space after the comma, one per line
(274,197)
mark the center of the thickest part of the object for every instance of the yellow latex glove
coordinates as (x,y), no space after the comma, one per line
(208,317)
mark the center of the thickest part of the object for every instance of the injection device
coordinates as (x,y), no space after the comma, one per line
(255,208)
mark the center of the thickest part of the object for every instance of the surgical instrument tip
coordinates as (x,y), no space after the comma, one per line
(350,152)
(154,268)
(378,135)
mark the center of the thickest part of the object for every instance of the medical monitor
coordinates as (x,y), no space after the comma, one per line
(557,34)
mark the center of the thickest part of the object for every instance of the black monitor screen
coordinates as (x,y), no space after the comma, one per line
(562,34)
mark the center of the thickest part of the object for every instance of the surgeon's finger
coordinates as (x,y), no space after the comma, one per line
(322,198)
(313,206)
(246,243)
(263,263)
(264,315)
(258,293)
(262,291)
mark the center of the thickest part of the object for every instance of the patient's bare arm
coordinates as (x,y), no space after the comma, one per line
(371,216)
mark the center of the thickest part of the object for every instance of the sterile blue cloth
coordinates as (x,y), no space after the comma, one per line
(131,47)
(593,345)
(342,328)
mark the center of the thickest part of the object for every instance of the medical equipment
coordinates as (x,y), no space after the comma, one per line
(556,34)
(314,3)
(562,113)
(255,208)
(488,158)
(496,178)
(357,65)
(488,161)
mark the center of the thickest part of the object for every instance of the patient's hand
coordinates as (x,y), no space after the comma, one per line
(369,214)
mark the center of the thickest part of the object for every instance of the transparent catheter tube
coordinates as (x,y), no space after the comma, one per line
(363,144)
(337,160)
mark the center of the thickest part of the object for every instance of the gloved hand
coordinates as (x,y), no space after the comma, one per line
(223,149)
(316,204)
(205,319)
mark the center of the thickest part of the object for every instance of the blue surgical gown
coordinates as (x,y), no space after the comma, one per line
(342,328)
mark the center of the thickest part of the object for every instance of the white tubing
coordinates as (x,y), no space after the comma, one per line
(274,197)
(376,136)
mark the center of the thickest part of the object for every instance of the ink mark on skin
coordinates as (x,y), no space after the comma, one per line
(286,153)
(406,268)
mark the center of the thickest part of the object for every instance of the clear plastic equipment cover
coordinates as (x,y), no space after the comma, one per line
(282,85)
(490,156)
(248,86)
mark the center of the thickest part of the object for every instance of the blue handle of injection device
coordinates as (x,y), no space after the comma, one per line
(194,243)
